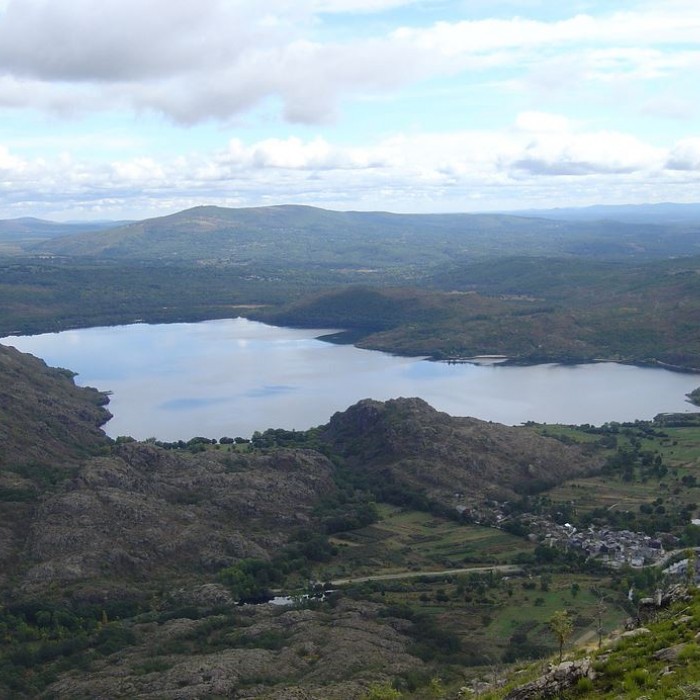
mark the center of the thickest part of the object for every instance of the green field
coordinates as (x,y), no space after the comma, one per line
(651,467)
(411,540)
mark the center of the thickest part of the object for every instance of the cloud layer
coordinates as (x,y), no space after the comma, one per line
(215,59)
(426,172)
(412,105)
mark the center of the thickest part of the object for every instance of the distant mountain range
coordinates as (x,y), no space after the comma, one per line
(300,235)
(666,213)
(27,228)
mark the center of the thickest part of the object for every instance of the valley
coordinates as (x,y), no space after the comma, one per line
(445,545)
(139,552)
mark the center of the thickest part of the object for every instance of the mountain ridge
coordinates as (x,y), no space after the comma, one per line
(303,234)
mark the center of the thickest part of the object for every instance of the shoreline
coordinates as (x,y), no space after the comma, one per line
(347,337)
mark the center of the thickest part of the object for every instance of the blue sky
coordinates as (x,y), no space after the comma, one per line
(130,109)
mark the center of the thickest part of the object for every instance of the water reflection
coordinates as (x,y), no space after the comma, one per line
(231,377)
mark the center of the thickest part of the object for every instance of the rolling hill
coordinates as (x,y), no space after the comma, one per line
(301,235)
(661,213)
(17,235)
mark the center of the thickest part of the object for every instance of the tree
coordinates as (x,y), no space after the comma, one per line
(600,610)
(436,689)
(561,626)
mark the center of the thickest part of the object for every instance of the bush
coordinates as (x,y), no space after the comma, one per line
(381,691)
(114,637)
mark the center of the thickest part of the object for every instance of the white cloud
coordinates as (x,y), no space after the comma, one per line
(564,108)
(122,40)
(649,28)
(644,64)
(215,59)
(362,6)
(542,159)
(8,162)
(685,155)
(295,154)
(291,154)
(588,154)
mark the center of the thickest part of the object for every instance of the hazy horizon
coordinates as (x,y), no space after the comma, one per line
(417,106)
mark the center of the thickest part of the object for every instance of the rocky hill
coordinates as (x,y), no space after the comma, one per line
(44,417)
(88,525)
(407,445)
(97,514)
(253,652)
(145,513)
(79,509)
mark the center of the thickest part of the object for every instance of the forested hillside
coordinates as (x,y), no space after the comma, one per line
(308,236)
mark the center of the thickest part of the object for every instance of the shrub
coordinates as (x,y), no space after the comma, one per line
(381,691)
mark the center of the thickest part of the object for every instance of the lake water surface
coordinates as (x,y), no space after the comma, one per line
(232,377)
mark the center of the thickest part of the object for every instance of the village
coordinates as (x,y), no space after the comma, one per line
(614,548)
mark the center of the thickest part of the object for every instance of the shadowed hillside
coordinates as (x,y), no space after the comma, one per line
(44,417)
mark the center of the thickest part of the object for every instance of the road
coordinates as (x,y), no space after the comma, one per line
(500,568)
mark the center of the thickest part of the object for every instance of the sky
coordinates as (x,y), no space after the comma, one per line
(125,109)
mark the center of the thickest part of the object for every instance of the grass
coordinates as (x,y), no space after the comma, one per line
(501,618)
(535,607)
(638,667)
(682,446)
(412,540)
(602,491)
(678,449)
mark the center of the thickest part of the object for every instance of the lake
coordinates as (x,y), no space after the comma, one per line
(232,377)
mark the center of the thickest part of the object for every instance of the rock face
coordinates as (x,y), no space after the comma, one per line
(146,512)
(411,444)
(558,679)
(256,652)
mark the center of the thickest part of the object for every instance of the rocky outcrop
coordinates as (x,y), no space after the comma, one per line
(146,512)
(411,444)
(557,679)
(262,652)
(648,608)
(47,426)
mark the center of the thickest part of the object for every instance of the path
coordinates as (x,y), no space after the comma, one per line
(501,568)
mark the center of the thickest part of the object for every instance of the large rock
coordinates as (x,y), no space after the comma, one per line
(558,679)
